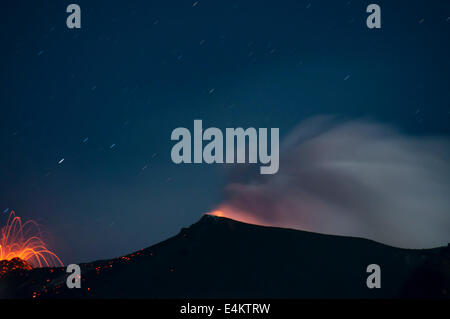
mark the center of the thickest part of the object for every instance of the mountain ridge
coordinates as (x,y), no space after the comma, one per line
(218,257)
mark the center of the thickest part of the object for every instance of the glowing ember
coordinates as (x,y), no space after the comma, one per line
(6,266)
(24,241)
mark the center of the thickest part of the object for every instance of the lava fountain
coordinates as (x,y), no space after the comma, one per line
(24,241)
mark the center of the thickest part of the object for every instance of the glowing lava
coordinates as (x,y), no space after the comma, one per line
(217,213)
(24,241)
(238,215)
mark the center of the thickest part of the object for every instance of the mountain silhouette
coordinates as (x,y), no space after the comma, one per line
(222,258)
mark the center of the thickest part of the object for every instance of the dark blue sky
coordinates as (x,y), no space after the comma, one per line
(106,98)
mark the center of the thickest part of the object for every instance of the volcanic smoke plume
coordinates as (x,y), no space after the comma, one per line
(352,178)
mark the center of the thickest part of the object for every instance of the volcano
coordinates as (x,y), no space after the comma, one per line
(221,258)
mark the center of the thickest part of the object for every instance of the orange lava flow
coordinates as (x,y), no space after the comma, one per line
(24,241)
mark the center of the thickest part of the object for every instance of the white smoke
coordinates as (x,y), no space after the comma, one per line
(353,178)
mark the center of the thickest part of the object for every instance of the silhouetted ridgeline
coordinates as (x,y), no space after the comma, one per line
(222,258)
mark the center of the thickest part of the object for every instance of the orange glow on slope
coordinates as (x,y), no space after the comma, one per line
(23,240)
(238,215)
(217,213)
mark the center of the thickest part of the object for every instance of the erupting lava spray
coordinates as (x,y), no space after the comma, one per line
(24,241)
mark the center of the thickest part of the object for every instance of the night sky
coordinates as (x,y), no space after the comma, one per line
(105,98)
